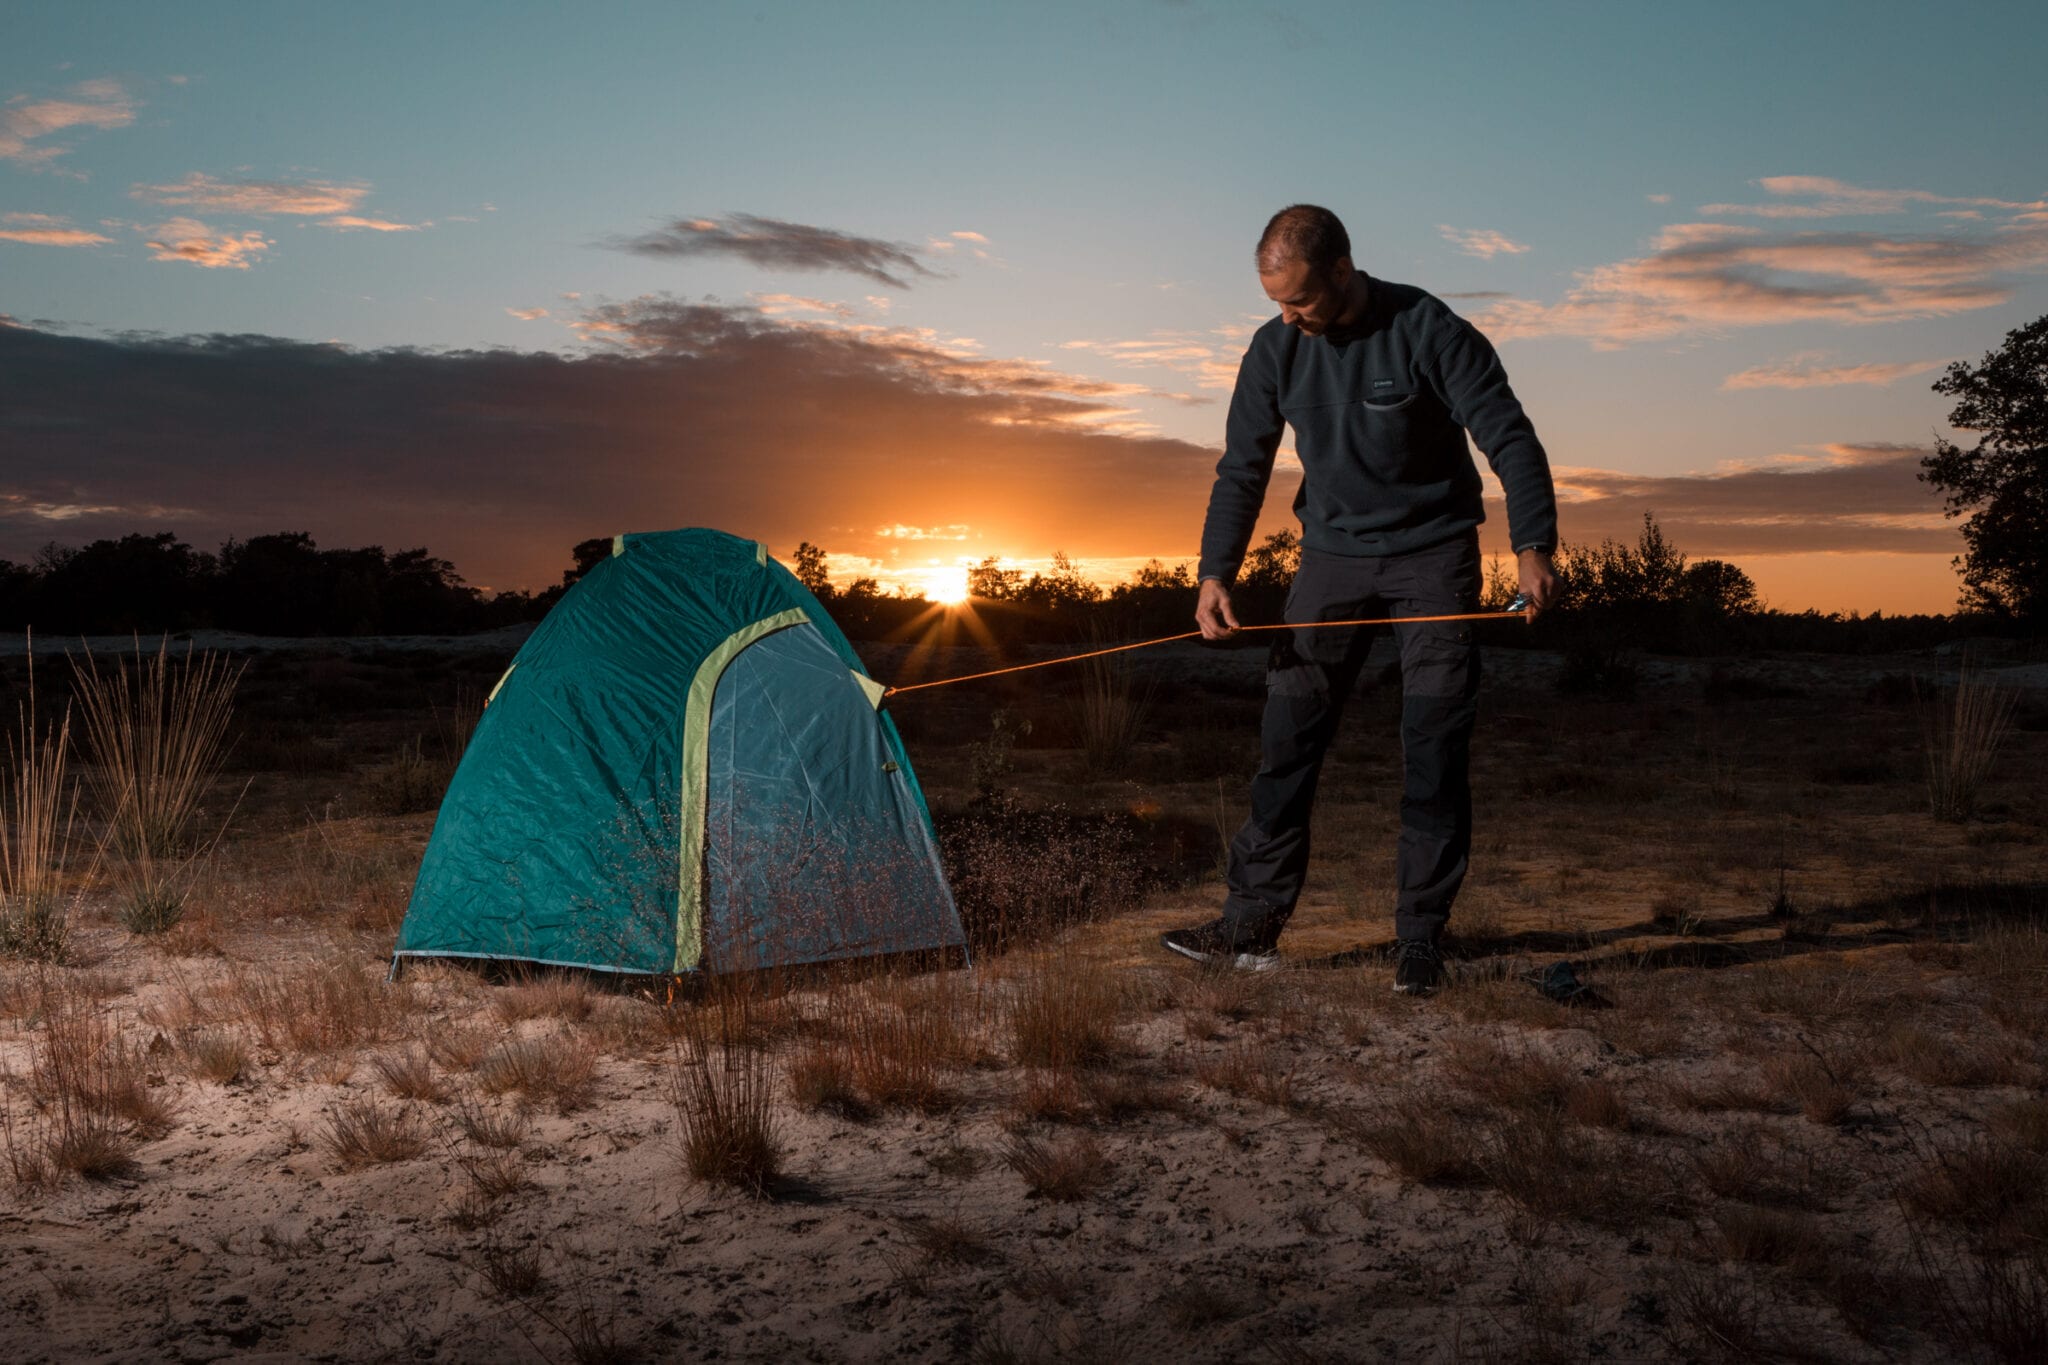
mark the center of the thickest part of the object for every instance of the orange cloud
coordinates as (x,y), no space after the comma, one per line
(102,103)
(191,241)
(372,224)
(1484,243)
(1704,277)
(307,199)
(1799,372)
(1831,198)
(528,314)
(45,229)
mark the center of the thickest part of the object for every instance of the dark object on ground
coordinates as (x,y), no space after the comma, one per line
(1560,982)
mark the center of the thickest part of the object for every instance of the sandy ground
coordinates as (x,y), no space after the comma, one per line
(1240,1202)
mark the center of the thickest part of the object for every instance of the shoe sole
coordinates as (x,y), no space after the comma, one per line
(1400,989)
(1243,962)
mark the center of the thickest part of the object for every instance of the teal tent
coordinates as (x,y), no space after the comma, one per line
(685,769)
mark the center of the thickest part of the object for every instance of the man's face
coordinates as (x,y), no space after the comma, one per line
(1308,300)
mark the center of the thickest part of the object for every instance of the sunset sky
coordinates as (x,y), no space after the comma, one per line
(924,283)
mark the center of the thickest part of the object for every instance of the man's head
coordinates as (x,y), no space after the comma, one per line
(1304,260)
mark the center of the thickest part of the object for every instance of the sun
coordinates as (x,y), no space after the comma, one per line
(947,585)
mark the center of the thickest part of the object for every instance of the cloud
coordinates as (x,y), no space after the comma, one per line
(899,531)
(372,224)
(305,199)
(1830,198)
(1802,372)
(1479,294)
(972,237)
(43,229)
(528,314)
(1484,243)
(101,103)
(1845,497)
(191,241)
(1711,277)
(1658,198)
(1211,357)
(674,413)
(773,244)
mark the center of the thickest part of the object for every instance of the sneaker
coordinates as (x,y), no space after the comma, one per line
(1418,967)
(1214,943)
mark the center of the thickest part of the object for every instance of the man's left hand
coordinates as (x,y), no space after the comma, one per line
(1538,581)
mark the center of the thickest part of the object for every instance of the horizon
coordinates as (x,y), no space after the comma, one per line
(980,285)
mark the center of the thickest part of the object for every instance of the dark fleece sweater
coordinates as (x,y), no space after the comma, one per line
(1380,410)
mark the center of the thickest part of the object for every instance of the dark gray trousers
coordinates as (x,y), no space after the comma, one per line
(1309,676)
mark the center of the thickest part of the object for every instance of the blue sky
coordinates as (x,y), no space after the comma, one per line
(1723,250)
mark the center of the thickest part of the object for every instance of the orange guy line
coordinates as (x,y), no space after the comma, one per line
(1193,634)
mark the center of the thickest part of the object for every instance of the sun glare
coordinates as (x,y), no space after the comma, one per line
(947,585)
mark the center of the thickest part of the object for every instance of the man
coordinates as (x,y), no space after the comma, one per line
(1381,383)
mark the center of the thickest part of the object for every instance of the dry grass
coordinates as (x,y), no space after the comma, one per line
(554,1068)
(330,1005)
(1995,1191)
(410,1076)
(1554,1170)
(1418,1138)
(38,809)
(1251,1071)
(1761,1236)
(1752,1164)
(560,996)
(1064,1008)
(1922,1055)
(1962,741)
(821,1080)
(1063,1169)
(155,738)
(91,1101)
(504,1129)
(1824,1093)
(366,1132)
(723,1093)
(217,1055)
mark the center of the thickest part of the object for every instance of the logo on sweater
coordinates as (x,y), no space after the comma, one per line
(1379,385)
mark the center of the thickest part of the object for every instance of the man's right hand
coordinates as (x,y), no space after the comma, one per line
(1213,613)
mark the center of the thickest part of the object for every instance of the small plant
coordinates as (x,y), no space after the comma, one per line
(156,737)
(723,1092)
(409,1075)
(550,1067)
(1112,707)
(37,810)
(364,1132)
(217,1055)
(500,1128)
(1062,1170)
(1064,1010)
(1962,741)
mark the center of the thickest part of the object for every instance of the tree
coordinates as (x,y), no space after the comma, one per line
(587,554)
(990,580)
(810,570)
(1063,589)
(2003,480)
(1274,563)
(1717,590)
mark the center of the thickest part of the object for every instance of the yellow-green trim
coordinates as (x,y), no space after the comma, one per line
(761,553)
(619,544)
(500,683)
(696,747)
(874,690)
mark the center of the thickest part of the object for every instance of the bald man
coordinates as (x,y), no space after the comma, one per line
(1381,383)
